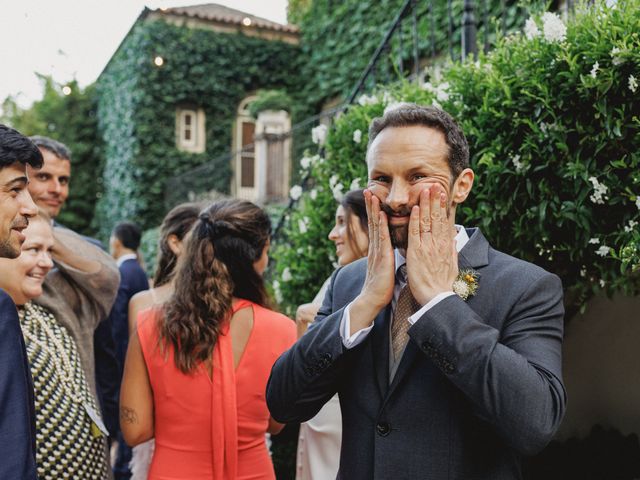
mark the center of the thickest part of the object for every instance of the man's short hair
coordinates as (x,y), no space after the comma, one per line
(59,149)
(15,147)
(129,234)
(410,114)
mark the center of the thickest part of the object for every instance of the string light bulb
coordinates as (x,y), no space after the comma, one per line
(158,61)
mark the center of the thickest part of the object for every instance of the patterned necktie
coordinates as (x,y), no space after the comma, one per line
(405,307)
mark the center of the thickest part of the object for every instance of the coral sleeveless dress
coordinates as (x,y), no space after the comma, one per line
(214,428)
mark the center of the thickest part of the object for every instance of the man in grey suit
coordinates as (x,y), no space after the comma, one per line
(445,353)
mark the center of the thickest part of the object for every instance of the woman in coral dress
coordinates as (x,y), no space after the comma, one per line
(197,368)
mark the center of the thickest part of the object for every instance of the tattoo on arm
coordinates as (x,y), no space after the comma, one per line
(128,415)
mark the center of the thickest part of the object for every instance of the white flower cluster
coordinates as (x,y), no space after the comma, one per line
(631,226)
(313,194)
(355,185)
(617,57)
(441,91)
(638,201)
(295,193)
(633,83)
(319,134)
(600,190)
(594,70)
(364,100)
(307,162)
(594,241)
(357,136)
(286,275)
(520,166)
(603,251)
(336,188)
(553,28)
(531,29)
(303,225)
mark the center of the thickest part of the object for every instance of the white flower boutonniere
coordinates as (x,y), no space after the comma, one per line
(466,284)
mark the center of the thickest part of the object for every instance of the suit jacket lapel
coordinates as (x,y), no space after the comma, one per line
(475,253)
(380,349)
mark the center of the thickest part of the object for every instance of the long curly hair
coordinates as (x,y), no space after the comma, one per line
(177,222)
(217,264)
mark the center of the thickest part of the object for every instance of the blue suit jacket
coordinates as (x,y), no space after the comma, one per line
(17,415)
(478,386)
(132,280)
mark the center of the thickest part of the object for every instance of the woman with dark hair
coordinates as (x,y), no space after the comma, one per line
(173,230)
(197,368)
(320,437)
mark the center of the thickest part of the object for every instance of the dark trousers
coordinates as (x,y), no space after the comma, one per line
(121,469)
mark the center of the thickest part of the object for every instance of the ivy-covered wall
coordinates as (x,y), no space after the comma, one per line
(340,37)
(138,101)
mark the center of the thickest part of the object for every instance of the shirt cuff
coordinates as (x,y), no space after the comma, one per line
(345,327)
(432,303)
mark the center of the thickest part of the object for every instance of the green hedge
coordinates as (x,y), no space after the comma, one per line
(138,100)
(554,134)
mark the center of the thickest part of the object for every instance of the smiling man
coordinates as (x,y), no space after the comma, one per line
(49,185)
(17,419)
(445,353)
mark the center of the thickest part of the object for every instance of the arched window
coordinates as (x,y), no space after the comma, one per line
(262,162)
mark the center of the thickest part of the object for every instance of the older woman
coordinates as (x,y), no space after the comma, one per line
(70,436)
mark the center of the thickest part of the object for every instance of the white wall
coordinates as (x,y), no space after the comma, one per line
(602,367)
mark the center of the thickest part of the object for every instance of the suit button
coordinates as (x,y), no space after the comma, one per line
(383,429)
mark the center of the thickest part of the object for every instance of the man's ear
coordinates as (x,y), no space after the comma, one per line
(462,186)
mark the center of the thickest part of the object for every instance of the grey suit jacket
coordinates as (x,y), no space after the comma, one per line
(478,386)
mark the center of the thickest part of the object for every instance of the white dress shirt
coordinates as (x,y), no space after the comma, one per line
(123,258)
(350,341)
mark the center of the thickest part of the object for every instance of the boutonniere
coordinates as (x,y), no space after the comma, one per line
(466,283)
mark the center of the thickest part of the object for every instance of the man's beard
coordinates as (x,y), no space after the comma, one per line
(7,249)
(399,234)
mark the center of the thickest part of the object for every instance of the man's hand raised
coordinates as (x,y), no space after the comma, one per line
(432,259)
(379,282)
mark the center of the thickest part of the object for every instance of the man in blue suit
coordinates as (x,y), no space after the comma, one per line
(445,353)
(124,244)
(17,415)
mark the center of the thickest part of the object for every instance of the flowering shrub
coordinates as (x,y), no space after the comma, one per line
(552,116)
